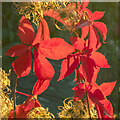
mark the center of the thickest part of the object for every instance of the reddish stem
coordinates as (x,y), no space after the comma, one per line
(37,13)
(22,93)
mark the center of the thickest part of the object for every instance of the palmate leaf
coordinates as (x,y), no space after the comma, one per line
(97,95)
(90,26)
(90,60)
(43,68)
(55,48)
(22,65)
(69,64)
(40,86)
(25,31)
(23,109)
(17,50)
(45,46)
(97,15)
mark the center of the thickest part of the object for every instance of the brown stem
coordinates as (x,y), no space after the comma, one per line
(77,31)
(87,99)
(86,94)
(88,104)
(78,75)
(15,98)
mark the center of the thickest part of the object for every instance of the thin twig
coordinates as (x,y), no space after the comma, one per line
(87,98)
(88,103)
(15,98)
(22,93)
(77,31)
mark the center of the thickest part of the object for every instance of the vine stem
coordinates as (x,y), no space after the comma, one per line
(15,98)
(77,35)
(88,103)
(22,93)
(86,94)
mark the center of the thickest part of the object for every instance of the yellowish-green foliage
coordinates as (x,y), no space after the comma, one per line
(40,112)
(75,110)
(34,11)
(7,103)
(4,79)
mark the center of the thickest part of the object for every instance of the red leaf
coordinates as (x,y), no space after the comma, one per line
(85,31)
(93,40)
(43,68)
(73,39)
(68,65)
(90,76)
(106,117)
(53,14)
(43,32)
(88,11)
(19,113)
(23,109)
(79,91)
(96,15)
(55,48)
(17,50)
(100,111)
(40,86)
(97,96)
(100,60)
(107,88)
(29,105)
(94,93)
(87,69)
(78,43)
(25,31)
(101,27)
(95,74)
(22,65)
(85,3)
(108,109)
